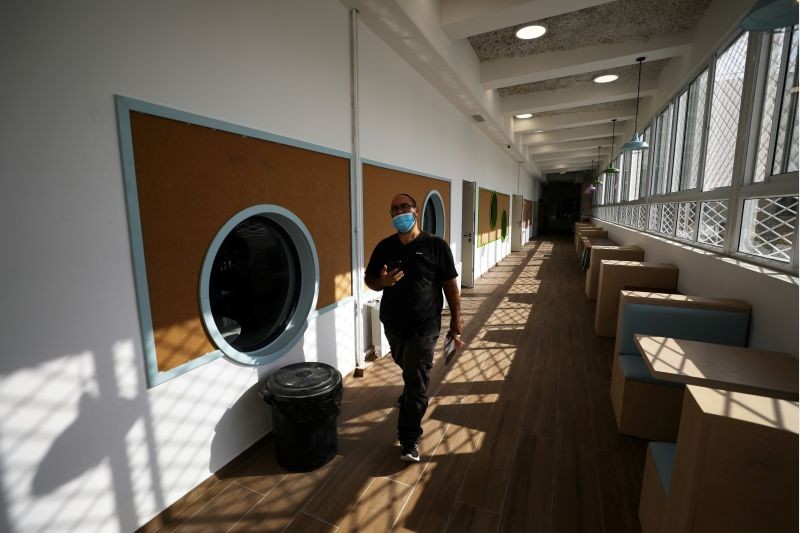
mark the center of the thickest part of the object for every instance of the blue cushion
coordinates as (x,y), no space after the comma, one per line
(664,456)
(634,367)
(704,325)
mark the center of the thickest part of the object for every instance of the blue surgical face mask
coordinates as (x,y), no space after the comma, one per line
(403,222)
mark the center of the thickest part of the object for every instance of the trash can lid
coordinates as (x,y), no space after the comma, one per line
(303,380)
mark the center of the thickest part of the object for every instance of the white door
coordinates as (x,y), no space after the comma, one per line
(468,198)
(516,223)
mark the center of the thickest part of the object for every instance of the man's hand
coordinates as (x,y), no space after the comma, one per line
(456,326)
(388,278)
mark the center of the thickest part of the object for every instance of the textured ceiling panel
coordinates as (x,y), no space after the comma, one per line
(609,106)
(651,70)
(614,22)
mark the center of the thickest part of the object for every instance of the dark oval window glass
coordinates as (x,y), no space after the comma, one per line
(504,225)
(429,217)
(254,284)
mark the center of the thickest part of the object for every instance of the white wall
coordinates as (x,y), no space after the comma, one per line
(773,296)
(84,445)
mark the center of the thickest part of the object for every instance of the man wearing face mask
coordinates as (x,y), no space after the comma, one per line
(412,268)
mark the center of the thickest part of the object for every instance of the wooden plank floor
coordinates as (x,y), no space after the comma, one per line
(519,435)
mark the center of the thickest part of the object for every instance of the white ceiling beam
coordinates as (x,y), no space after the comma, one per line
(591,154)
(548,65)
(540,101)
(462,18)
(570,164)
(572,120)
(572,146)
(584,159)
(565,168)
(572,134)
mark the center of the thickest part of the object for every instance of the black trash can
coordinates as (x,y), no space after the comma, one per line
(306,399)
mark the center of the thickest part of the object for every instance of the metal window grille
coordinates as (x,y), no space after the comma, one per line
(787,127)
(771,82)
(713,216)
(695,119)
(663,129)
(726,102)
(769,227)
(635,164)
(686,219)
(667,219)
(654,212)
(680,130)
(640,216)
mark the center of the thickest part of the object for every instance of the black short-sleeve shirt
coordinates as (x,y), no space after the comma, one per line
(413,306)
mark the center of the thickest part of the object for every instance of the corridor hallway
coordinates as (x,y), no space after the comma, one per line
(519,434)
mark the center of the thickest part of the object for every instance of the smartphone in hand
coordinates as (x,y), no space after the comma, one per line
(393,265)
(449,348)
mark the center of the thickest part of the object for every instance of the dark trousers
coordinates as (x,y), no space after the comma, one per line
(415,356)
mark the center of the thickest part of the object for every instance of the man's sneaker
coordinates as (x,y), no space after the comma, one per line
(410,453)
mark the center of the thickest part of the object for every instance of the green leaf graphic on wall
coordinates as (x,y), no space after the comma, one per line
(492,205)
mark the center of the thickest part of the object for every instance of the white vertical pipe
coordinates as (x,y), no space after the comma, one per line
(356,197)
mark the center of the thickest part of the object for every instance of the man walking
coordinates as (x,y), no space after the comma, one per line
(412,268)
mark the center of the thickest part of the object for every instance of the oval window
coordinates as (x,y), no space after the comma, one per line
(258,284)
(433,220)
(504,225)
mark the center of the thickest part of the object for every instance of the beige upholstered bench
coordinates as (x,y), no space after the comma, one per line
(617,275)
(617,253)
(733,467)
(647,407)
(592,232)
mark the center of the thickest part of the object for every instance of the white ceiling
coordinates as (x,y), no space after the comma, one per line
(468,50)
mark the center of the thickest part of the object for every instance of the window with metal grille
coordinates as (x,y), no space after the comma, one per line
(667,224)
(726,100)
(641,214)
(769,227)
(786,157)
(663,129)
(645,161)
(654,214)
(680,131)
(695,121)
(771,81)
(634,165)
(685,221)
(713,217)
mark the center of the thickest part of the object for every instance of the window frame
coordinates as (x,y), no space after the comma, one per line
(741,188)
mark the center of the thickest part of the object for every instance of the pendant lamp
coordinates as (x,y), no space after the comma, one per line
(597,180)
(636,143)
(612,169)
(592,184)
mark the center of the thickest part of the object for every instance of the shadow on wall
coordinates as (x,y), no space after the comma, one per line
(249,412)
(81,474)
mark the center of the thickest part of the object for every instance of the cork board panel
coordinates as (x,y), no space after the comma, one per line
(486,233)
(191,179)
(380,186)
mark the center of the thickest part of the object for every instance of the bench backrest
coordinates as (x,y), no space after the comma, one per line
(696,318)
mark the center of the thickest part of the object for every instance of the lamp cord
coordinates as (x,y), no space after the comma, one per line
(638,85)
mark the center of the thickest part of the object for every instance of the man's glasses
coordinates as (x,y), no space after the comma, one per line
(401,208)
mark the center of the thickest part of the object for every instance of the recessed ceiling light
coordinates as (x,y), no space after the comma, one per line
(564,172)
(538,131)
(524,115)
(531,32)
(606,78)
